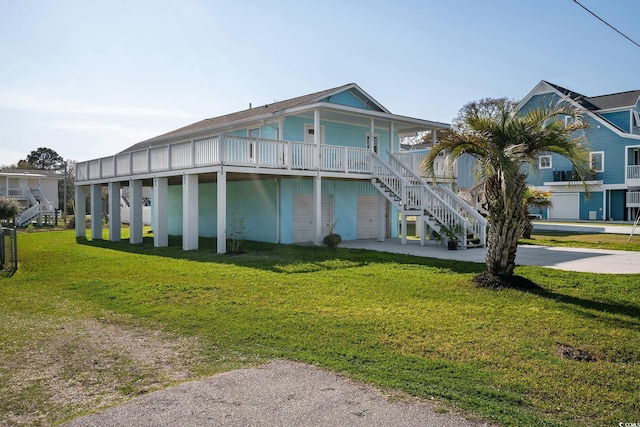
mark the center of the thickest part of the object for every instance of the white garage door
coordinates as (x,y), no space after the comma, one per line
(367,217)
(303,216)
(565,206)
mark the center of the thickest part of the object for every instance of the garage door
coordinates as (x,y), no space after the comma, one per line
(367,217)
(565,206)
(303,217)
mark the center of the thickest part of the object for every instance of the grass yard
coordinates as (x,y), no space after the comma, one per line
(100,322)
(584,240)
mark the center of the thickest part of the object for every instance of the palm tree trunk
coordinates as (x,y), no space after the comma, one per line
(506,220)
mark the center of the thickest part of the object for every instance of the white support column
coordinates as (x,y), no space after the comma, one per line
(382,220)
(189,212)
(317,210)
(221,204)
(403,229)
(161,216)
(391,131)
(604,205)
(316,136)
(434,139)
(114,212)
(372,135)
(135,211)
(96,211)
(81,210)
(422,228)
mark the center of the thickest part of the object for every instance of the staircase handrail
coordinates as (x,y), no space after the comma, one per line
(398,186)
(478,222)
(32,198)
(40,195)
(34,210)
(472,219)
(418,194)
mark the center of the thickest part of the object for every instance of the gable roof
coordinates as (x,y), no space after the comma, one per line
(298,104)
(612,101)
(616,100)
(595,106)
(265,110)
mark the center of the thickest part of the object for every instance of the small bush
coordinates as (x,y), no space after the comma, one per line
(9,208)
(332,240)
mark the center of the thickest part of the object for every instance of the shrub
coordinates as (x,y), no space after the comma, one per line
(9,208)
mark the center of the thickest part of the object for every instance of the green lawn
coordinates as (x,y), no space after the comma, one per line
(404,323)
(584,240)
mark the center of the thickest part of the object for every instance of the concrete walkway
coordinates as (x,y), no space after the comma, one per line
(570,259)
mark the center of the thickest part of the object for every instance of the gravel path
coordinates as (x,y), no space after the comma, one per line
(280,393)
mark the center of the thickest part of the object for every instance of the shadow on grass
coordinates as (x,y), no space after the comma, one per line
(280,258)
(526,285)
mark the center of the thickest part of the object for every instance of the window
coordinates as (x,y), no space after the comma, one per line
(254,133)
(596,160)
(636,119)
(544,162)
(376,139)
(568,121)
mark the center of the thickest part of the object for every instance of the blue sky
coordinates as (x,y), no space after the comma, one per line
(90,78)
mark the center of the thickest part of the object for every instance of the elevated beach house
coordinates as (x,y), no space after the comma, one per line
(287,172)
(36,191)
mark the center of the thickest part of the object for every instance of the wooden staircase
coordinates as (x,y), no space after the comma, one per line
(439,208)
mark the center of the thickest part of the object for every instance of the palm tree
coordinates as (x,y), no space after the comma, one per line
(533,199)
(503,141)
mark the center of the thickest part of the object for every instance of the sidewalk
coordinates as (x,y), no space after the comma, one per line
(586,227)
(570,259)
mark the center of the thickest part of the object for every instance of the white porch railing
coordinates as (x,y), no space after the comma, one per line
(633,172)
(441,167)
(633,199)
(228,150)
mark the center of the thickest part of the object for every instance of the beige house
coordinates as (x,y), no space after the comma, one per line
(35,190)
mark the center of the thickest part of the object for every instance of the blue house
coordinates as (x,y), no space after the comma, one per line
(613,139)
(286,172)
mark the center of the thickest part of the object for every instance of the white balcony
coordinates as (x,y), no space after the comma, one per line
(633,199)
(254,153)
(633,176)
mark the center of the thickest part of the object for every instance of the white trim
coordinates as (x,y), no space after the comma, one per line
(376,142)
(635,119)
(308,127)
(591,154)
(546,156)
(543,88)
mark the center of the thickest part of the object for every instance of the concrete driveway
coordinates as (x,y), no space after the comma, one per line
(570,259)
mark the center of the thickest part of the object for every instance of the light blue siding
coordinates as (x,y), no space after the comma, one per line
(599,138)
(593,203)
(618,212)
(466,172)
(242,199)
(347,98)
(621,119)
(342,134)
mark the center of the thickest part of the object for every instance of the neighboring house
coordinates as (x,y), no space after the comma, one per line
(290,170)
(35,190)
(613,138)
